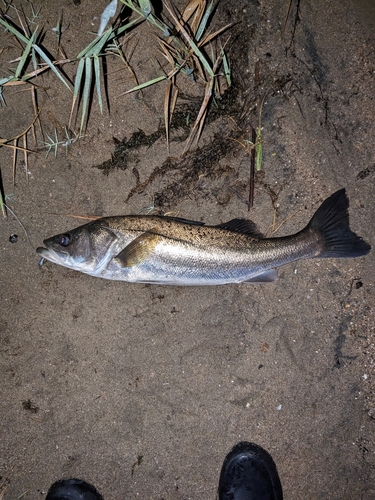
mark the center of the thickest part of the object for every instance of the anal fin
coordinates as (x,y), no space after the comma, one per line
(265,277)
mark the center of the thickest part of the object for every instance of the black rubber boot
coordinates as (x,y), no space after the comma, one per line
(249,473)
(72,489)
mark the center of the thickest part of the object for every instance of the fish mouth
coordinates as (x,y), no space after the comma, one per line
(47,253)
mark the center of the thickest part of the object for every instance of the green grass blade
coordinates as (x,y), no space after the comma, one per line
(150,17)
(2,100)
(117,32)
(47,60)
(78,79)
(201,57)
(204,21)
(6,80)
(15,32)
(159,24)
(102,41)
(145,6)
(34,60)
(86,91)
(259,150)
(95,47)
(2,207)
(97,81)
(147,84)
(227,70)
(25,55)
(87,49)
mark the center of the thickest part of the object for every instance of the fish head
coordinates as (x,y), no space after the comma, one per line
(84,249)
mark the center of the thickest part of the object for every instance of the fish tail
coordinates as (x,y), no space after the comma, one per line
(332,221)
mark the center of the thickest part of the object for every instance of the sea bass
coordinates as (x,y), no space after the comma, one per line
(174,251)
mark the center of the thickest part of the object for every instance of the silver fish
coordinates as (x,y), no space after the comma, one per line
(174,251)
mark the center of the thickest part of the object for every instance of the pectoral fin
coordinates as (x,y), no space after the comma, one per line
(137,251)
(266,277)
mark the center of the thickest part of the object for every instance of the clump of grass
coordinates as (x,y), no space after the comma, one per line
(32,50)
(34,55)
(185,44)
(89,70)
(189,49)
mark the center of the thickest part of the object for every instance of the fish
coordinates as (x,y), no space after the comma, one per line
(174,251)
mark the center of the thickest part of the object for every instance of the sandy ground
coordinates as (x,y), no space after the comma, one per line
(142,390)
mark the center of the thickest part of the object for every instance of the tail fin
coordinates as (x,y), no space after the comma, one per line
(332,220)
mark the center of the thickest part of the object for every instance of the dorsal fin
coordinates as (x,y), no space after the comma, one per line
(184,221)
(244,226)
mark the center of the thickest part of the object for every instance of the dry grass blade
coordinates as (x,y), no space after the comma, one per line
(86,217)
(286,20)
(3,142)
(10,81)
(15,147)
(199,122)
(167,100)
(175,59)
(35,106)
(117,49)
(201,116)
(252,172)
(210,36)
(191,42)
(25,157)
(195,8)
(2,198)
(169,52)
(182,51)
(169,104)
(259,143)
(14,160)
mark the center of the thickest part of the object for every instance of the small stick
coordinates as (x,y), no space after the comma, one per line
(35,105)
(286,20)
(2,202)
(252,171)
(25,156)
(15,147)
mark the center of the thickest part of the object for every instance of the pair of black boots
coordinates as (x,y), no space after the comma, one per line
(248,473)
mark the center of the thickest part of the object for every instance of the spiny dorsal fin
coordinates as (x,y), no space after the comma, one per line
(244,226)
(184,221)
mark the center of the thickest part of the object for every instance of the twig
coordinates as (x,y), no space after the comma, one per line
(15,140)
(25,156)
(252,171)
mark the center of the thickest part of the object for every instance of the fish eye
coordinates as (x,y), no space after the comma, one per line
(65,240)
